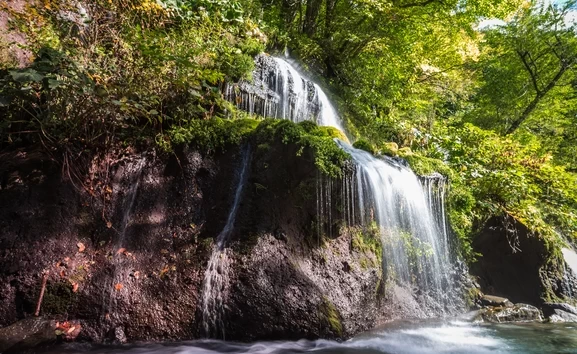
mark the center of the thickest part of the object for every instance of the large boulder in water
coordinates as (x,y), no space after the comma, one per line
(515,313)
(560,312)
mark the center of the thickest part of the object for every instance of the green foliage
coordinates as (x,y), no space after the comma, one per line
(216,134)
(364,145)
(329,157)
(139,69)
(504,175)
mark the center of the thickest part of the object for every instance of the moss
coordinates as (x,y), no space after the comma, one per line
(472,295)
(405,151)
(425,166)
(367,240)
(364,145)
(390,149)
(58,298)
(329,313)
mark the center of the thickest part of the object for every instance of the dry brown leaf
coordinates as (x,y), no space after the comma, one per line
(81,247)
(75,287)
(121,250)
(108,224)
(118,286)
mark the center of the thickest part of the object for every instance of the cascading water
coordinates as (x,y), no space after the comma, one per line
(133,170)
(216,276)
(569,271)
(408,211)
(410,216)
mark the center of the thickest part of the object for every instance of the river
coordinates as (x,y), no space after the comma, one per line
(398,337)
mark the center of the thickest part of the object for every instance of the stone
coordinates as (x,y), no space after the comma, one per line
(550,306)
(562,316)
(26,334)
(491,300)
(517,313)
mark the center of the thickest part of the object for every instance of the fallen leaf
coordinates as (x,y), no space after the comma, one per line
(164,251)
(75,287)
(71,330)
(118,286)
(81,247)
(109,224)
(121,250)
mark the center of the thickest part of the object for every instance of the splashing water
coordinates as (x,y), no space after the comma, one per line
(216,277)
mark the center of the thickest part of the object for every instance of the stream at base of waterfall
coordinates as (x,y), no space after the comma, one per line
(401,337)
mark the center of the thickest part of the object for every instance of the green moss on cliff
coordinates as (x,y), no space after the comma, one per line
(329,313)
(58,298)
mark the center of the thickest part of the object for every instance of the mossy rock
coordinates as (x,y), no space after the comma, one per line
(364,145)
(390,148)
(334,133)
(405,151)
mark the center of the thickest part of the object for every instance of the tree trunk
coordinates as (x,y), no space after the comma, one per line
(311,15)
(329,12)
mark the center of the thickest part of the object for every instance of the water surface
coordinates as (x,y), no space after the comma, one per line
(398,338)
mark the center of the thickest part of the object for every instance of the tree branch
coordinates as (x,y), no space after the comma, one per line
(540,94)
(523,56)
(417,4)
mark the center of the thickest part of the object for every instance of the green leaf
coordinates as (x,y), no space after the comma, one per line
(27,75)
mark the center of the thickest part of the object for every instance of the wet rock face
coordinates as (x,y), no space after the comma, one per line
(27,334)
(126,255)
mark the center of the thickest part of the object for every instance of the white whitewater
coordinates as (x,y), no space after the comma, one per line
(216,277)
(570,258)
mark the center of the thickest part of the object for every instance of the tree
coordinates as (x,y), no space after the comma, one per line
(527,64)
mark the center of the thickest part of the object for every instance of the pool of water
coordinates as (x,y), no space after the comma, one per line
(398,338)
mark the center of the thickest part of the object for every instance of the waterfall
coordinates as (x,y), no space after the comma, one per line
(216,277)
(133,171)
(410,215)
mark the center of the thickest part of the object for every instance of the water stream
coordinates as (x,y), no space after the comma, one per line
(216,277)
(134,172)
(397,338)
